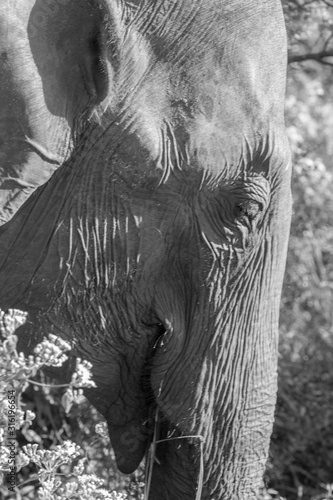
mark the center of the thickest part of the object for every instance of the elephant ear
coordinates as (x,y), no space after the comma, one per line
(52,74)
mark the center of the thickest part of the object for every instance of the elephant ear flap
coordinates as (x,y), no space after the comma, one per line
(53,73)
(68,50)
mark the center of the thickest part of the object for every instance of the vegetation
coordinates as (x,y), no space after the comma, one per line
(63,456)
(49,463)
(301,464)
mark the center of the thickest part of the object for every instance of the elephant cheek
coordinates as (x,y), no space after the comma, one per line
(129,444)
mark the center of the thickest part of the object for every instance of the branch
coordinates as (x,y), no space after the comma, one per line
(314,56)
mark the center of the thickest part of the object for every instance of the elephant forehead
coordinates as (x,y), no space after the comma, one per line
(209,126)
(211,111)
(195,80)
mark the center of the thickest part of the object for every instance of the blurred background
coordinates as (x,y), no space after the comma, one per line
(301,461)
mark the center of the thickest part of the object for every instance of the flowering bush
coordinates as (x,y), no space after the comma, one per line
(17,370)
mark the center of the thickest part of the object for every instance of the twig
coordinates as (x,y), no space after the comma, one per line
(314,56)
(47,385)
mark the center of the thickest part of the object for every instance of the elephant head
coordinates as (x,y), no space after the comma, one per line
(145,186)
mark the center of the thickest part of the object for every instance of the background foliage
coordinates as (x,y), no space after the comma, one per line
(301,464)
(301,458)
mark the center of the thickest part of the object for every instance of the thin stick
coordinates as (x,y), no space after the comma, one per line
(47,385)
(151,458)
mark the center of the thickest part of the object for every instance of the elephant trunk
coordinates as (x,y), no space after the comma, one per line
(214,379)
(228,423)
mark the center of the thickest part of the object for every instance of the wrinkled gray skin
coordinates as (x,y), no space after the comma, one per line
(156,238)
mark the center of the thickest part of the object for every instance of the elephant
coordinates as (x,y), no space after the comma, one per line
(145,205)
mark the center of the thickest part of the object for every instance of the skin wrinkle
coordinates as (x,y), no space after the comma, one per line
(162,18)
(227,375)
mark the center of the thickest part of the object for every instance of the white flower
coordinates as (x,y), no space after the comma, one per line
(11,320)
(21,460)
(79,468)
(102,429)
(50,352)
(82,375)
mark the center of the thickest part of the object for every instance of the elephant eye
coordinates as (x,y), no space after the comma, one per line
(248,208)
